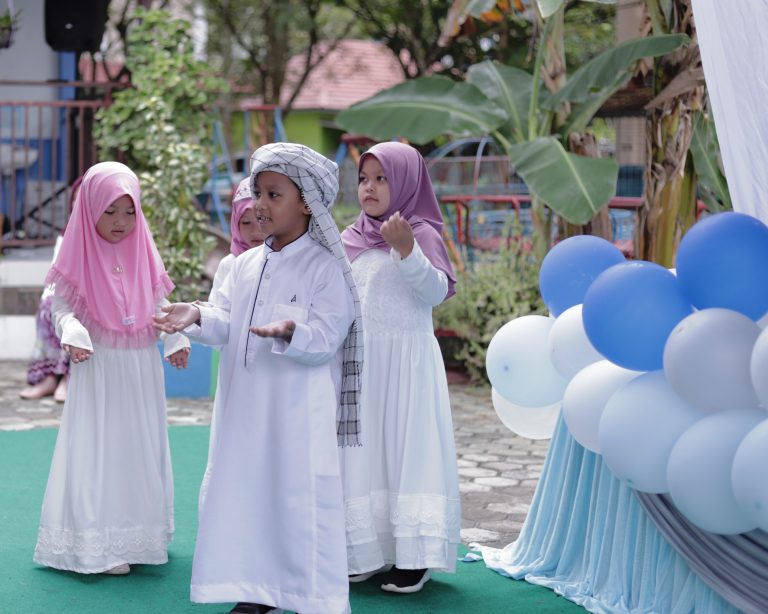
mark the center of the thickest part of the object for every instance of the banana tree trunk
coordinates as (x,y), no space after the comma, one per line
(670,186)
(669,208)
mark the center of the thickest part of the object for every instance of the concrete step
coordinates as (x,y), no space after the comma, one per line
(22,273)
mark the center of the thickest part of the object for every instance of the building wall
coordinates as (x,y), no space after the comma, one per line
(307,128)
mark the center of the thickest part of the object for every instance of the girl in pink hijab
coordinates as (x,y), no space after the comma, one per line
(246,233)
(109,499)
(401,487)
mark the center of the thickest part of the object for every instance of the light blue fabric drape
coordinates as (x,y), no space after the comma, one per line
(587,537)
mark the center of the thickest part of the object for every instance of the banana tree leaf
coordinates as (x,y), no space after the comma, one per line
(705,151)
(576,187)
(423,109)
(510,88)
(581,114)
(550,7)
(604,69)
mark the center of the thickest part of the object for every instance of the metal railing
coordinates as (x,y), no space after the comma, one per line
(44,146)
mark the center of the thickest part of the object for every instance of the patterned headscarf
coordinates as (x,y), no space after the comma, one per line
(317,179)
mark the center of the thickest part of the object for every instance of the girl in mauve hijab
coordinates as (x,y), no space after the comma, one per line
(109,499)
(401,487)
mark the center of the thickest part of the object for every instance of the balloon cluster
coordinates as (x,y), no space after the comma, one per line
(662,372)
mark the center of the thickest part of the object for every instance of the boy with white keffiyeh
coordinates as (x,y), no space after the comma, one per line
(271,529)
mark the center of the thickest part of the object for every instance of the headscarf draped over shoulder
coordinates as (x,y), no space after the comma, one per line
(317,179)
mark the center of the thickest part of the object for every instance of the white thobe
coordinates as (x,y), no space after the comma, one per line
(272,524)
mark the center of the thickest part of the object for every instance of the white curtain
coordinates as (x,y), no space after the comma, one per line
(734,50)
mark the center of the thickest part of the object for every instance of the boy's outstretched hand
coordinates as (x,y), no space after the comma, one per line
(178,317)
(282,328)
(77,354)
(398,233)
(180,358)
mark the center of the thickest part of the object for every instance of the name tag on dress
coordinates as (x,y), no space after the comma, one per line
(129,320)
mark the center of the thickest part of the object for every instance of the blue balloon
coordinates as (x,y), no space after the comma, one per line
(630,310)
(571,266)
(722,262)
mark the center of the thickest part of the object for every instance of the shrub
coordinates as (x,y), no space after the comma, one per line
(489,293)
(159,127)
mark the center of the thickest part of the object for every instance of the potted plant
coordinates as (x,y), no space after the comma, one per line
(8,25)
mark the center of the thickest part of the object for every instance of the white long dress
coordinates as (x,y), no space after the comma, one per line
(271,527)
(401,487)
(222,271)
(109,498)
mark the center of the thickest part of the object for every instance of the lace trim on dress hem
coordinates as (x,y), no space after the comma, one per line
(99,542)
(441,515)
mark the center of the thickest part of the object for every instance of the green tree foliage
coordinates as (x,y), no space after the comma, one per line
(159,128)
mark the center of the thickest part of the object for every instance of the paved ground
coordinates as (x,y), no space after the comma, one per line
(498,470)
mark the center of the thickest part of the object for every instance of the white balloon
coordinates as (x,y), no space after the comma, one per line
(519,366)
(528,422)
(586,396)
(640,425)
(758,367)
(569,347)
(699,471)
(706,359)
(763,322)
(748,475)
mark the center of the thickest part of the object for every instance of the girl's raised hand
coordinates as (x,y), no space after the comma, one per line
(282,328)
(398,233)
(180,358)
(77,354)
(178,317)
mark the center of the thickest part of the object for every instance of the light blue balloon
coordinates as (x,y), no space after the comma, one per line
(630,310)
(641,423)
(571,266)
(722,262)
(519,366)
(699,471)
(748,475)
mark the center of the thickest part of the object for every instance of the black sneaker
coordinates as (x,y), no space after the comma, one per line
(362,577)
(405,580)
(252,608)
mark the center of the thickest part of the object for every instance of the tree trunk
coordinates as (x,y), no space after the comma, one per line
(670,184)
(669,208)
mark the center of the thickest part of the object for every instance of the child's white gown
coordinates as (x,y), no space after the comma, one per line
(109,498)
(401,487)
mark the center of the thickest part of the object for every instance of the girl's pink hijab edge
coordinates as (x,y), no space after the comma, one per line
(241,202)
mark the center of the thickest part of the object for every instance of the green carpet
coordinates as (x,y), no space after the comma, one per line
(26,588)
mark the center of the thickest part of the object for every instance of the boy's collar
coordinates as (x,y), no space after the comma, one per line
(293,246)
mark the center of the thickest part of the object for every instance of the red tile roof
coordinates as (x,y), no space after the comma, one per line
(353,71)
